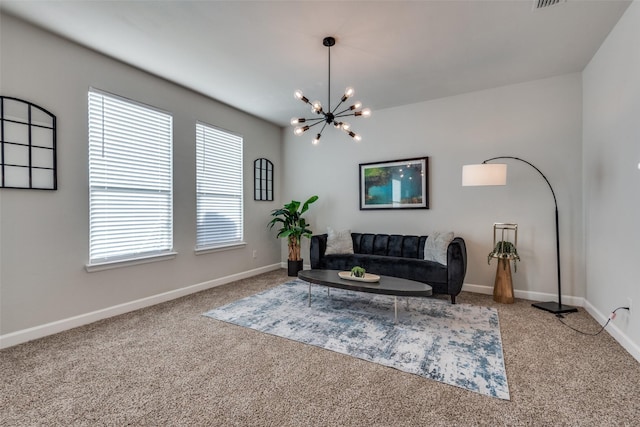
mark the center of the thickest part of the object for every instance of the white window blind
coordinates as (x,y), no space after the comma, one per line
(219,187)
(130,179)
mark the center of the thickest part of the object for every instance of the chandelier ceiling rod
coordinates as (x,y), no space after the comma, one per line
(329,116)
(328,42)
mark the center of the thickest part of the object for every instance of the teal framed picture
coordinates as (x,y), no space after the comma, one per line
(395,184)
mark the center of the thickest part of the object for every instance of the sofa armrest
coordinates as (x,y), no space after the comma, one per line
(456,265)
(317,248)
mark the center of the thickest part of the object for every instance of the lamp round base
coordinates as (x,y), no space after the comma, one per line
(554,307)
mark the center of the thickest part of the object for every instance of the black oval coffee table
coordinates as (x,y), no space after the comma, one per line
(387,285)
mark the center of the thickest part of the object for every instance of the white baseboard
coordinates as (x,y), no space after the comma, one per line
(22,336)
(529,295)
(478,289)
(285,264)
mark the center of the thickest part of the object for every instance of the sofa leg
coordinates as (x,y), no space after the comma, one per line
(453,299)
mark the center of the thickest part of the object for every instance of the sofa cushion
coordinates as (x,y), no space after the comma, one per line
(338,262)
(410,246)
(366,244)
(395,245)
(435,247)
(339,242)
(380,244)
(421,243)
(413,269)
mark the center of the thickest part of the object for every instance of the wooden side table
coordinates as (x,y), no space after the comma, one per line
(503,286)
(505,252)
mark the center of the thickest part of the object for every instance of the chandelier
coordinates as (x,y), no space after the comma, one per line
(329,116)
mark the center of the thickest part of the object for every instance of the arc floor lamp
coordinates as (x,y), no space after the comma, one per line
(496,174)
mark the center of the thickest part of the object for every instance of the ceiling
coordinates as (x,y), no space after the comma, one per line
(253,54)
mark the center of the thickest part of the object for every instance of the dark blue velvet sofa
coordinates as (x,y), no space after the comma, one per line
(398,256)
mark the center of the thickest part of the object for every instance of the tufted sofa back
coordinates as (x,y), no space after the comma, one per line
(389,245)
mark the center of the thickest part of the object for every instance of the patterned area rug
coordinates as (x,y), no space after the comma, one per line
(457,344)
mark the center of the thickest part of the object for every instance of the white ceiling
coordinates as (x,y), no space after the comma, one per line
(254,54)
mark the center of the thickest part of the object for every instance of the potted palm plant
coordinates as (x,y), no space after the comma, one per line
(293,227)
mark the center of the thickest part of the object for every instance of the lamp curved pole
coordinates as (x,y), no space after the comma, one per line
(555,201)
(553,307)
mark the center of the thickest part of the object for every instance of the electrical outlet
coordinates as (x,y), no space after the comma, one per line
(629,303)
(255,254)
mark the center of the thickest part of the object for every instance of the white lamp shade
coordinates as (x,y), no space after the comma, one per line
(484,174)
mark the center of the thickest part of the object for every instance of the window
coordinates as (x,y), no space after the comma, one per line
(219,187)
(130,180)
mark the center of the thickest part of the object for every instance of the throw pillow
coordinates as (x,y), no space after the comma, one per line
(435,247)
(339,242)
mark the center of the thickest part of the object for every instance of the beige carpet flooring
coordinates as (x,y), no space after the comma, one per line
(169,365)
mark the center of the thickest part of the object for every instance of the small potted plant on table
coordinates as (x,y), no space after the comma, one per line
(358,271)
(293,227)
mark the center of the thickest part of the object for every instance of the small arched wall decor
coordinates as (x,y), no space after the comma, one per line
(27,145)
(263,179)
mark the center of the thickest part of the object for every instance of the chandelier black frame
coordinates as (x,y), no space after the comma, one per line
(331,116)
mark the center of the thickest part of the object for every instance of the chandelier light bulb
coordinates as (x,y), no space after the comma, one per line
(345,126)
(354,136)
(296,120)
(366,112)
(348,93)
(355,106)
(316,106)
(300,130)
(299,95)
(316,139)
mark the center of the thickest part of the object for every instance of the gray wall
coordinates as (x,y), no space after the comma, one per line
(44,234)
(611,175)
(539,121)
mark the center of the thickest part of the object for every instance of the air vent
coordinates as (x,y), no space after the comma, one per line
(541,4)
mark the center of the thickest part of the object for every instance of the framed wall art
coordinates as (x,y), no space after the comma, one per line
(395,184)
